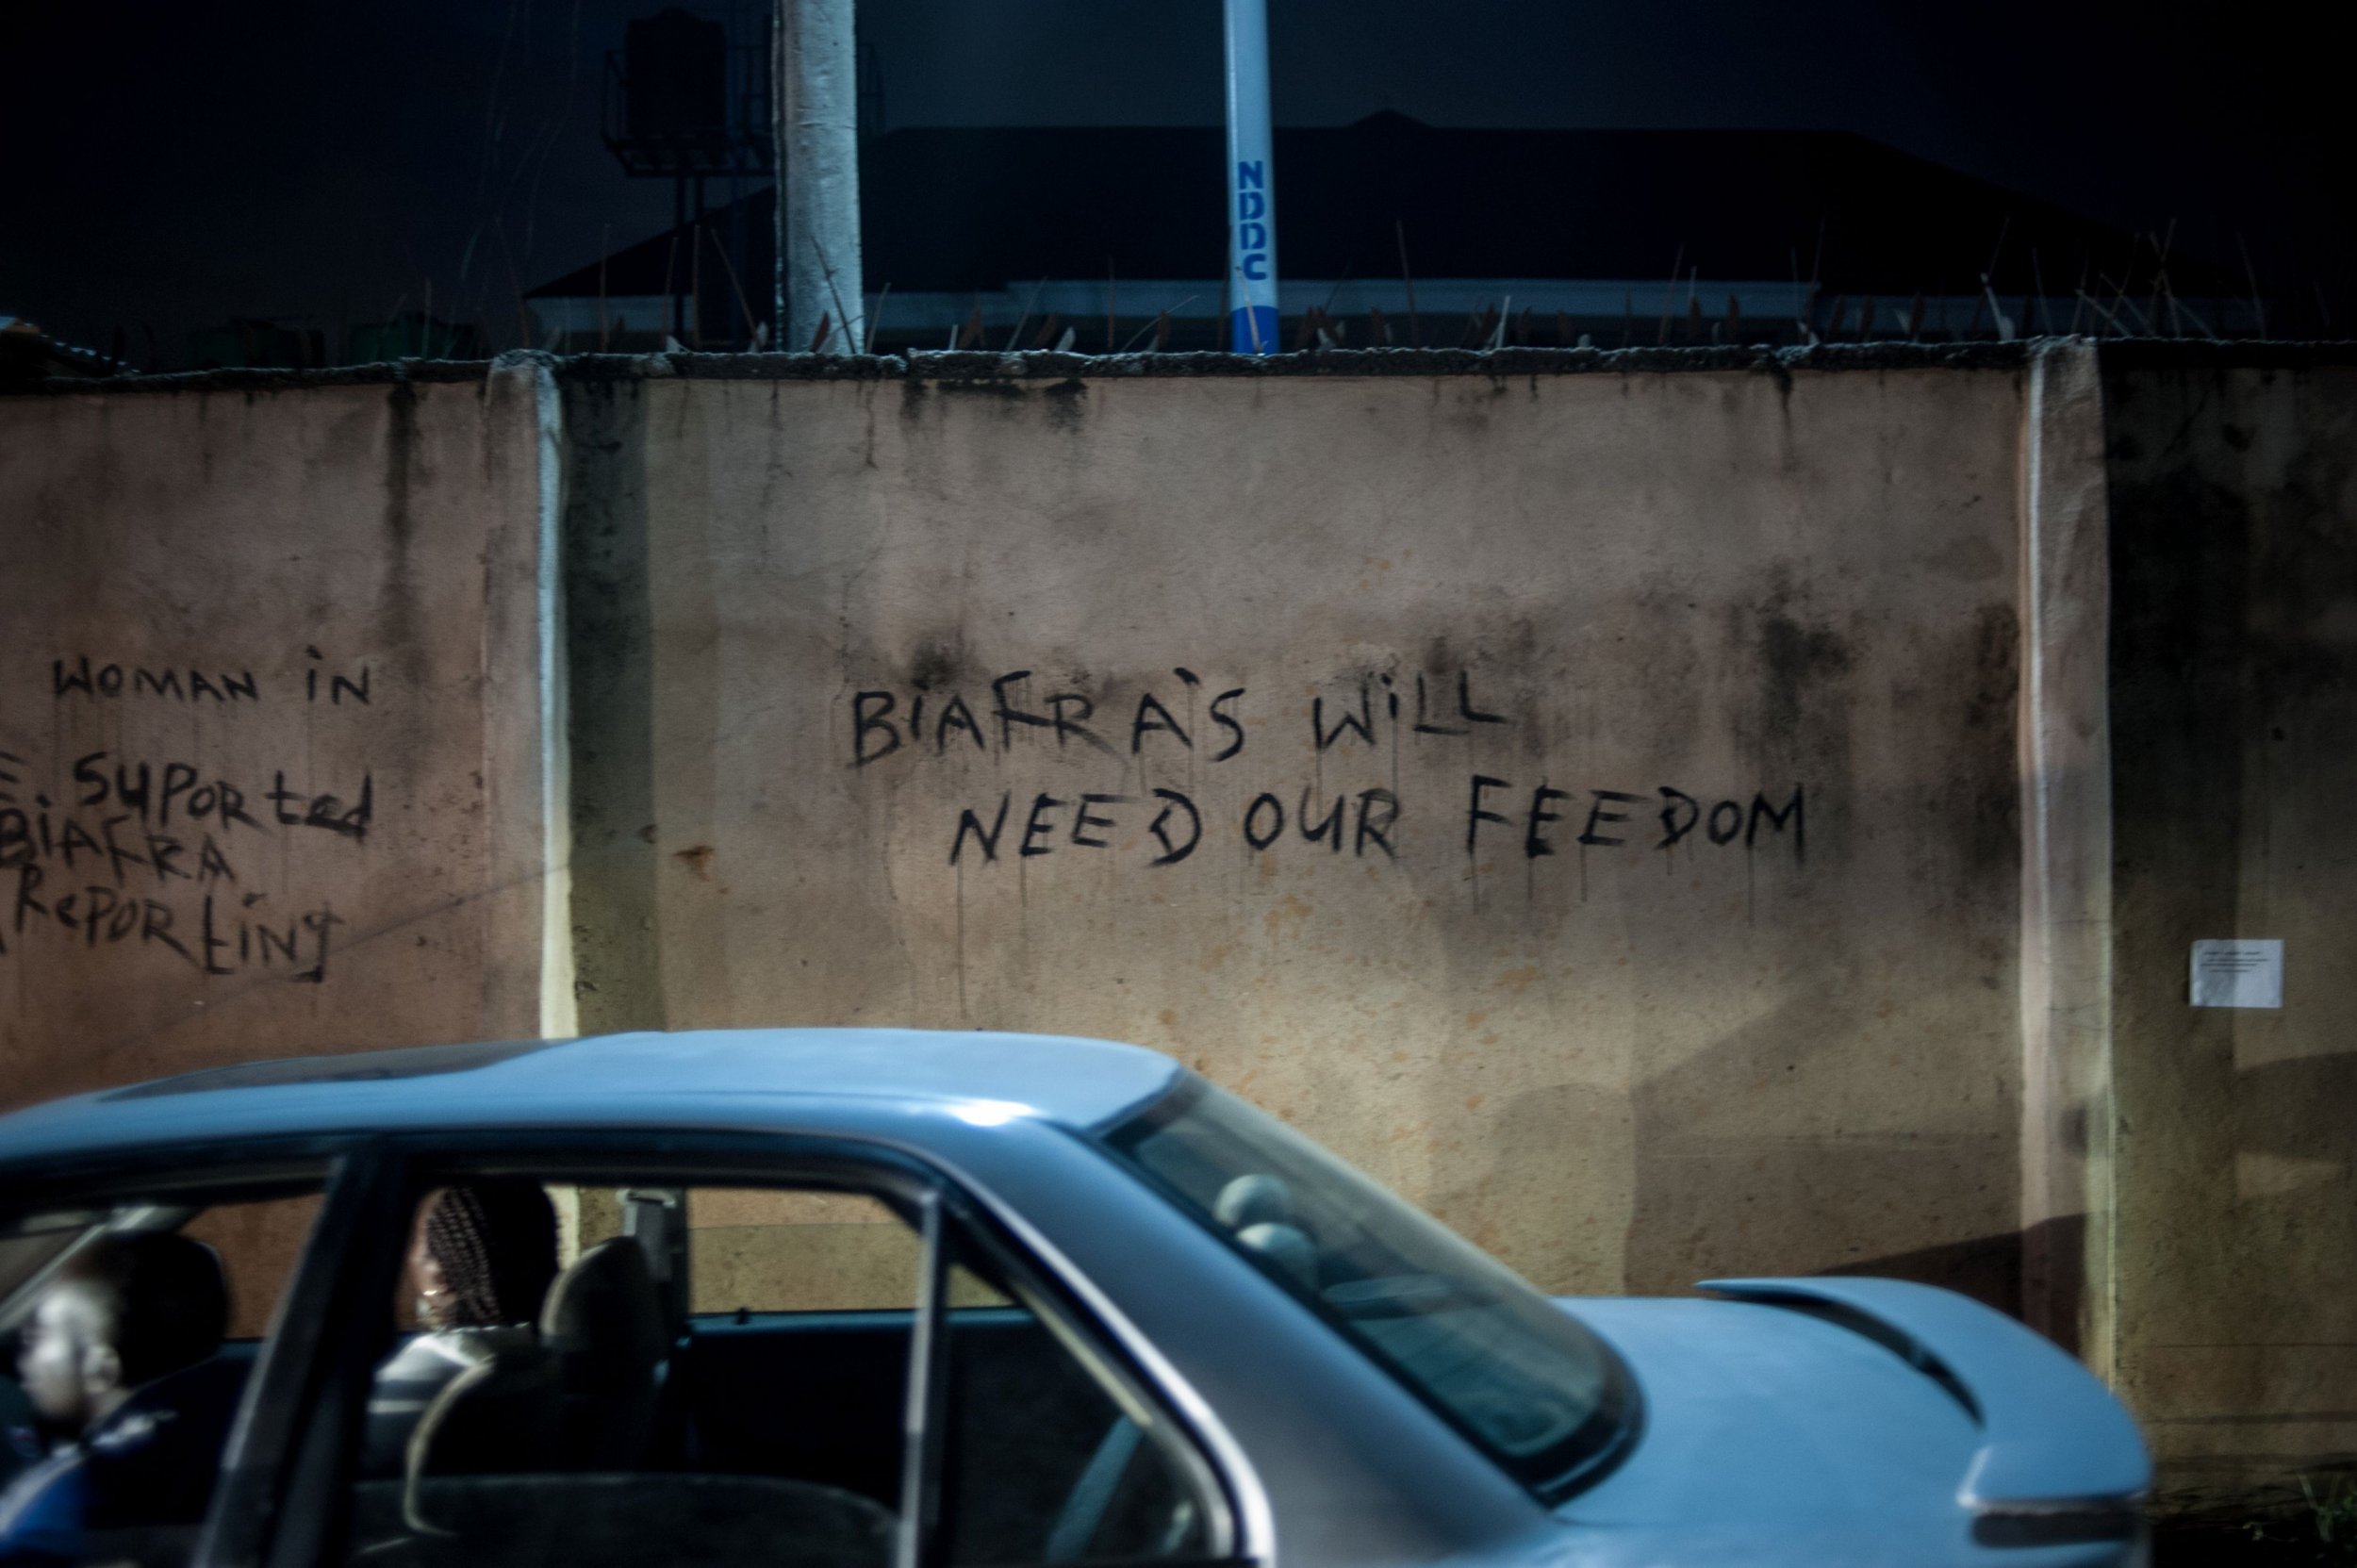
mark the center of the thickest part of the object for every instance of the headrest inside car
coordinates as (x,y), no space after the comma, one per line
(1286,1245)
(1250,1200)
(605,1304)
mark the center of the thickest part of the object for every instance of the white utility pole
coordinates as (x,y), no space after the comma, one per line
(1251,184)
(818,117)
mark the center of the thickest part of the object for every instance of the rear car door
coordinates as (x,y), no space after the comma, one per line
(766,1350)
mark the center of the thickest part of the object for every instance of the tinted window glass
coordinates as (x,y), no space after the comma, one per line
(556,1400)
(260,1244)
(1531,1386)
(796,1252)
(1043,1463)
(176,1290)
(611,1375)
(30,1249)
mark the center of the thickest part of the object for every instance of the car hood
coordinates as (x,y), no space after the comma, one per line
(1772,1435)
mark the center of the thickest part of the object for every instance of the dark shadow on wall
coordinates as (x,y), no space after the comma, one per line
(1789,1145)
(1986,1269)
(609,617)
(1734,1177)
(1524,1205)
(2234,696)
(2298,1109)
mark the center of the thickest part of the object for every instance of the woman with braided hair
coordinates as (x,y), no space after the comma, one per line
(483,1254)
(481,1257)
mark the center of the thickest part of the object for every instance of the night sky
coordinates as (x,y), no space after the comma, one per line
(170,166)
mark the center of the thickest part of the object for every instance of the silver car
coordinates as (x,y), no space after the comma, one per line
(871,1297)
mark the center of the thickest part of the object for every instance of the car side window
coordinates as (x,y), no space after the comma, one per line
(138,1322)
(622,1372)
(754,1251)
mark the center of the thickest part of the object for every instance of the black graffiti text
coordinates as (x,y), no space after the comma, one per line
(171,683)
(1173,823)
(1549,817)
(154,792)
(223,933)
(919,721)
(1424,707)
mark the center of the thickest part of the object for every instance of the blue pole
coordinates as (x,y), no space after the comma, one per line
(1251,182)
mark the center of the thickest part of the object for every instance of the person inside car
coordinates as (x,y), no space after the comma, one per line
(118,1362)
(481,1258)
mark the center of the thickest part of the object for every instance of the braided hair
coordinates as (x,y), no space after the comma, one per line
(496,1242)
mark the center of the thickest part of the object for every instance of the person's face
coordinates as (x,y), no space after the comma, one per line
(428,1286)
(68,1363)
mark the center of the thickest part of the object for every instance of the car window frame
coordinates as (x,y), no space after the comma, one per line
(255,1453)
(318,1458)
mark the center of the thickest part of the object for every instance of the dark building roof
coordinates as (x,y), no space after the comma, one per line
(951,211)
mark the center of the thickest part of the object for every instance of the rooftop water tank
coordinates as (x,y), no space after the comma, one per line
(677,72)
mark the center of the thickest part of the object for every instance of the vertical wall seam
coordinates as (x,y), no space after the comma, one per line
(2069,1116)
(2038,1289)
(559,1005)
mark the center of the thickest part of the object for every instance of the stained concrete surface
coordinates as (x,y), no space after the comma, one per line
(1620,1066)
(270,761)
(2235,699)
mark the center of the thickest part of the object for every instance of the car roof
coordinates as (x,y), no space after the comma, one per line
(612,1080)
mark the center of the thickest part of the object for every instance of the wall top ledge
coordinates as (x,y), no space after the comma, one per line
(984,365)
(396,373)
(972,366)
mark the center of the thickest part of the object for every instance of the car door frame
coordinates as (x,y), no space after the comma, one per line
(321,1399)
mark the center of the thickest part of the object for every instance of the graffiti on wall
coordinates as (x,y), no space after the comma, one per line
(1358,718)
(135,846)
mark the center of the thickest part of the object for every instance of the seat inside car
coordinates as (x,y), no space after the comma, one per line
(160,1494)
(633,1521)
(499,1416)
(603,1324)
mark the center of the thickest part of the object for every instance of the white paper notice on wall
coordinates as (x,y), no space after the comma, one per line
(2238,974)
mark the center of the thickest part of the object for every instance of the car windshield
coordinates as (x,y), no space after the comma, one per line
(1523,1379)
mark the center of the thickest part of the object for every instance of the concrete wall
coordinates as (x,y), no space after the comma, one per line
(1339,715)
(1375,691)
(272,760)
(2233,495)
